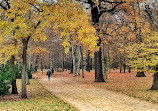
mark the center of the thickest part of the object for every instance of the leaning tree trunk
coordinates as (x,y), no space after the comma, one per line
(155,79)
(24,68)
(14,86)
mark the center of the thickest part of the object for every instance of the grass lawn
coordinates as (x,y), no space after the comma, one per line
(39,99)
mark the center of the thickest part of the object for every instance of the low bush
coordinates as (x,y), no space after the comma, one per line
(5,79)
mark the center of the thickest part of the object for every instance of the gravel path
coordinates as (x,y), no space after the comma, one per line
(87,97)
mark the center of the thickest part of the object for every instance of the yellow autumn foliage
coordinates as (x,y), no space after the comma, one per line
(40,51)
(144,54)
(73,23)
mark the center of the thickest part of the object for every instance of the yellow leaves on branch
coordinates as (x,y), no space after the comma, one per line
(6,51)
(74,25)
(22,19)
(40,51)
(145,53)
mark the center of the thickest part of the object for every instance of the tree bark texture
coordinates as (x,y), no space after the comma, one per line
(79,60)
(27,78)
(82,66)
(155,79)
(88,62)
(98,67)
(36,63)
(24,65)
(124,68)
(13,83)
(74,60)
(129,69)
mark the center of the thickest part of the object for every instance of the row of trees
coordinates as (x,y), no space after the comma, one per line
(126,25)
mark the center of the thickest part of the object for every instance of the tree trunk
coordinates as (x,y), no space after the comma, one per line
(155,79)
(36,63)
(108,54)
(98,67)
(42,65)
(97,55)
(74,60)
(27,78)
(155,82)
(124,65)
(88,62)
(63,62)
(30,56)
(24,64)
(153,20)
(129,69)
(91,64)
(120,69)
(124,68)
(14,86)
(71,66)
(79,60)
(103,62)
(82,66)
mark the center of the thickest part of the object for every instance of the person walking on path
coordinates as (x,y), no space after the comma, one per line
(49,74)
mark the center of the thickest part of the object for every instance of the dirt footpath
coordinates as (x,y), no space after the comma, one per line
(87,97)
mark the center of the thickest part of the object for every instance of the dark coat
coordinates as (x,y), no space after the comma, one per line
(49,72)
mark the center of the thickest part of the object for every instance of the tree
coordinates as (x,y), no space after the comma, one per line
(98,8)
(75,28)
(25,18)
(40,52)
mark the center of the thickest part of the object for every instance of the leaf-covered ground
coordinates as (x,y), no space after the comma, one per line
(39,99)
(87,95)
(125,83)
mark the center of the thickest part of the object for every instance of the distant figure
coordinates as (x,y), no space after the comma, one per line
(49,74)
(52,70)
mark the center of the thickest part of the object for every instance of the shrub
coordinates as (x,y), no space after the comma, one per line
(18,70)
(5,79)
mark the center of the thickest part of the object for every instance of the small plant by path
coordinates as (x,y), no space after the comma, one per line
(39,99)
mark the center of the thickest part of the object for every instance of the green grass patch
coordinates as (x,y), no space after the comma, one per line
(39,99)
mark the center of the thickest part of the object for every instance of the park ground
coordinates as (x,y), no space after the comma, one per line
(120,92)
